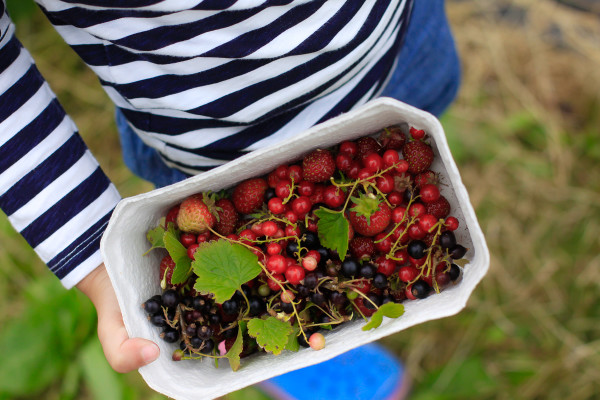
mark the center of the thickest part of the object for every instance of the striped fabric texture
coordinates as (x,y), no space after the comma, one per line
(202,82)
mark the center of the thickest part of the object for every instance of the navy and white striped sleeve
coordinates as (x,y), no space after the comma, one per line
(51,187)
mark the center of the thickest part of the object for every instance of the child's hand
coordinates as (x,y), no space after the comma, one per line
(123,354)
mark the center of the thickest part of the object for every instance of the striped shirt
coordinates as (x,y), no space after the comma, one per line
(202,82)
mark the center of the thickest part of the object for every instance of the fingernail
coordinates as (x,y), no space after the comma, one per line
(149,353)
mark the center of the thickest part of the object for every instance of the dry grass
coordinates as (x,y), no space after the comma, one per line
(525,132)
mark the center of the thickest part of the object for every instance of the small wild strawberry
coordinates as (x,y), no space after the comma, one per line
(249,195)
(419,156)
(228,217)
(197,213)
(318,166)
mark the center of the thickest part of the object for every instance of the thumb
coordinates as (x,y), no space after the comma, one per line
(124,354)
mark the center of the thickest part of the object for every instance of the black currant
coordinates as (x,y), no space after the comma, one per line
(375,301)
(338,299)
(367,270)
(231,306)
(229,333)
(447,240)
(158,319)
(458,251)
(311,240)
(318,298)
(291,249)
(350,268)
(454,272)
(190,330)
(200,304)
(287,308)
(303,291)
(380,281)
(152,306)
(170,298)
(416,249)
(269,194)
(207,346)
(324,255)
(420,289)
(195,342)
(257,306)
(170,335)
(204,332)
(409,194)
(310,280)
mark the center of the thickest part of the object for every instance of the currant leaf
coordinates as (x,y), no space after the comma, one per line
(333,230)
(292,344)
(222,267)
(178,253)
(390,310)
(271,334)
(233,355)
(155,237)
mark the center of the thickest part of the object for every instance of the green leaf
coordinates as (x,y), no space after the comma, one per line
(222,267)
(156,238)
(461,262)
(178,252)
(233,355)
(390,310)
(271,334)
(292,344)
(333,230)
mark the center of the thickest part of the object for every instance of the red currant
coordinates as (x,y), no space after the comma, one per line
(292,230)
(333,196)
(390,157)
(269,228)
(306,188)
(401,166)
(276,205)
(354,169)
(276,263)
(417,209)
(295,173)
(417,134)
(395,198)
(348,147)
(385,265)
(408,273)
(294,274)
(192,249)
(427,222)
(291,217)
(429,193)
(172,216)
(283,188)
(451,223)
(273,283)
(309,263)
(282,172)
(415,232)
(401,256)
(273,248)
(398,214)
(343,161)
(385,183)
(373,162)
(383,244)
(187,239)
(301,205)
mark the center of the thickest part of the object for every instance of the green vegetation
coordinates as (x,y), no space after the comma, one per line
(525,133)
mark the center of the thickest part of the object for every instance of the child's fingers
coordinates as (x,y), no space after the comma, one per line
(123,354)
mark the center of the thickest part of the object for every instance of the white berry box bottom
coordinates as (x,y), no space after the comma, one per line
(135,276)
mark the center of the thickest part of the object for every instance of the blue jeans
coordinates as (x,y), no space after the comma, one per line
(427,76)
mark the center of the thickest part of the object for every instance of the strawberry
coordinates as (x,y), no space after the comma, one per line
(248,196)
(318,166)
(361,247)
(419,156)
(167,265)
(228,217)
(392,138)
(366,146)
(426,177)
(439,208)
(369,216)
(197,213)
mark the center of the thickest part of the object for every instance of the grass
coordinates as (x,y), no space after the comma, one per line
(525,133)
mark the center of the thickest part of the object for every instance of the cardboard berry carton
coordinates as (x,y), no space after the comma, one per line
(134,271)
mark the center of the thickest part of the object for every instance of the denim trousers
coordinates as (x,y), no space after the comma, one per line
(427,76)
